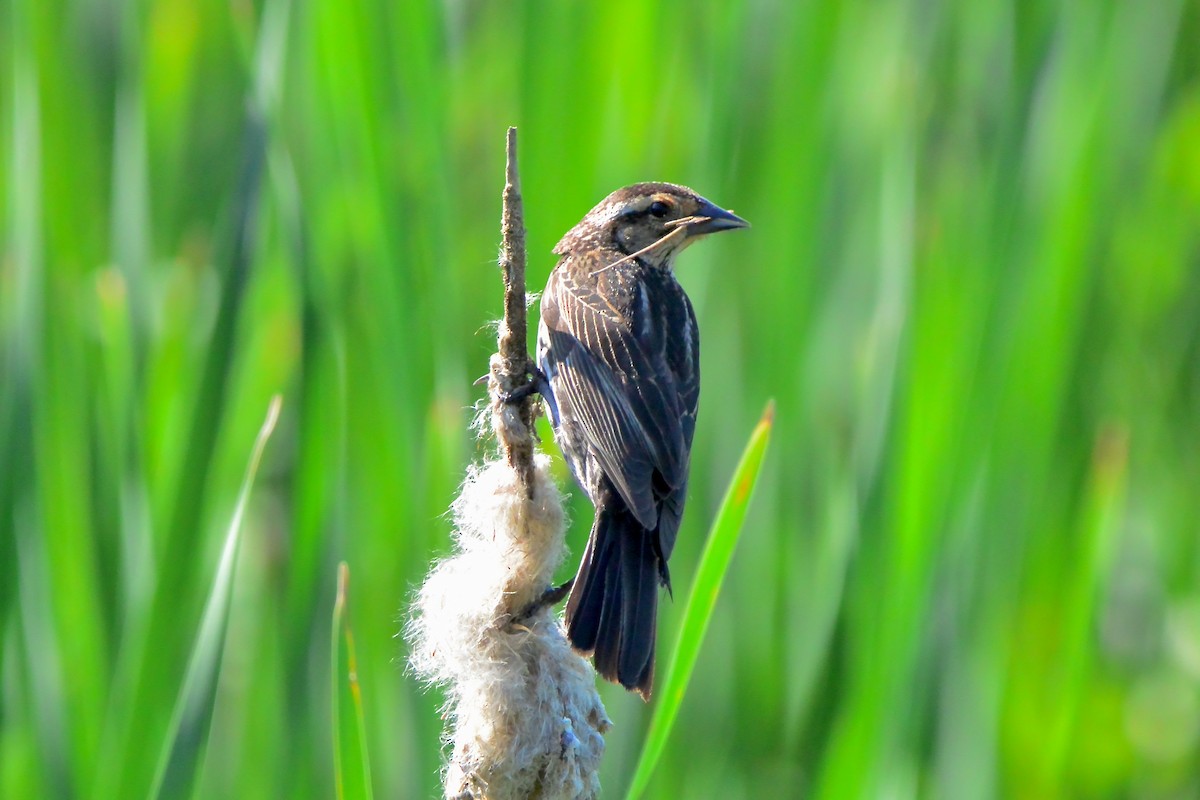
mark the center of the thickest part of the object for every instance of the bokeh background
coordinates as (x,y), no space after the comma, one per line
(972,567)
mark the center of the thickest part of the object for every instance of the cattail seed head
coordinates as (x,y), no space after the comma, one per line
(526,720)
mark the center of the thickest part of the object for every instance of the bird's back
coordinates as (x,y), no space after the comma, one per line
(620,348)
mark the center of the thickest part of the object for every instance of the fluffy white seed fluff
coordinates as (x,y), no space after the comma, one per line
(525,718)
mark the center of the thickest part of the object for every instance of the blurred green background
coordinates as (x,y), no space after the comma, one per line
(972,568)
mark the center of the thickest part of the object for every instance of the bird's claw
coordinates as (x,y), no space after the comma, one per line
(551,597)
(537,384)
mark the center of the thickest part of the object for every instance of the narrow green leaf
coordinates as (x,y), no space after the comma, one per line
(351,765)
(714,563)
(188,729)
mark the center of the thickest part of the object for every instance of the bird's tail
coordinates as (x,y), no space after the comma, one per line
(613,610)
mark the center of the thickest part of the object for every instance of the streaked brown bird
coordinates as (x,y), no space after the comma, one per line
(619,348)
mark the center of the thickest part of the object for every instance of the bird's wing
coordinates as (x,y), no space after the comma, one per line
(623,364)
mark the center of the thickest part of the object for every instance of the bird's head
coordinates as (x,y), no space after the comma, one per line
(654,220)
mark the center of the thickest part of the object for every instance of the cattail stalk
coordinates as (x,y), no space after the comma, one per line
(524,718)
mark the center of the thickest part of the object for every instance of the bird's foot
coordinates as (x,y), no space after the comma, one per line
(537,384)
(551,597)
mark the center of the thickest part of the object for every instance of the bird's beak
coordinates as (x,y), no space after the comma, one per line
(712,219)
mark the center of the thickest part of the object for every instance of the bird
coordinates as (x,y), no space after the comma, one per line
(618,351)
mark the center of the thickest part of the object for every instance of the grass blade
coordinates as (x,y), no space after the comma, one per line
(351,765)
(190,721)
(714,563)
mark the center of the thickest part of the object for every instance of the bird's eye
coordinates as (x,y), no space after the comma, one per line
(659,209)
